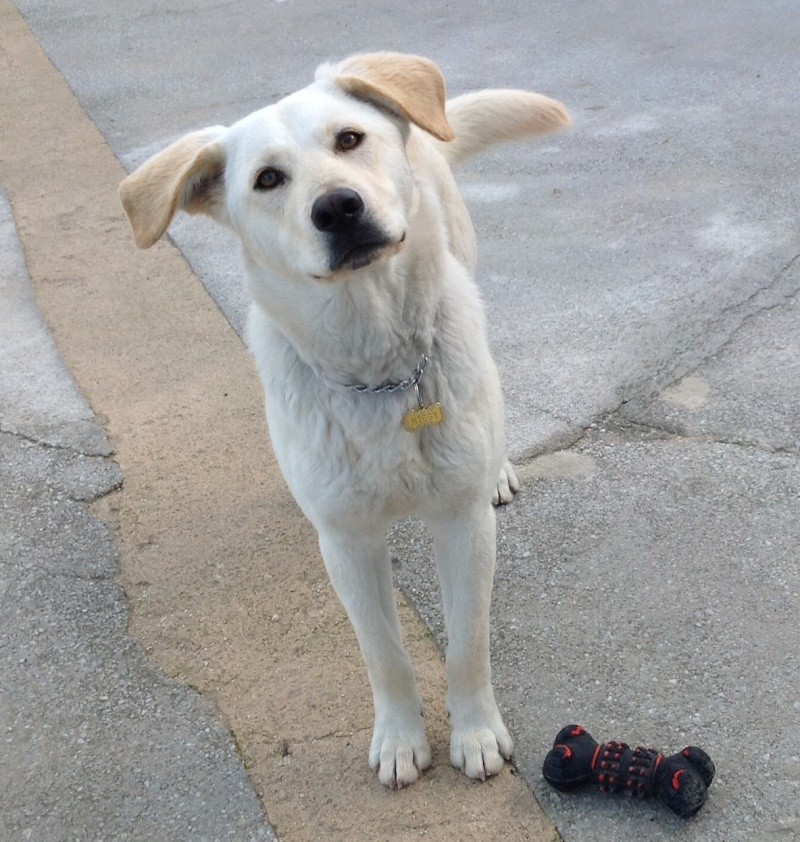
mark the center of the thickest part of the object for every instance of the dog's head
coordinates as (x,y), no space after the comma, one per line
(316,184)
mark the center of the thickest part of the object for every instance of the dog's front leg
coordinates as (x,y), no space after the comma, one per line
(360,570)
(465,556)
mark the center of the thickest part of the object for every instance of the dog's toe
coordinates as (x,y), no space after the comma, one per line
(480,752)
(480,743)
(399,752)
(401,763)
(507,485)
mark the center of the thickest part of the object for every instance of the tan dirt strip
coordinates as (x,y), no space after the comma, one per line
(227,590)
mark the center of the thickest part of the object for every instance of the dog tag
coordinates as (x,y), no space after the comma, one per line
(423,416)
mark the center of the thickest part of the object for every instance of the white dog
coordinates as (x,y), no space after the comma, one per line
(369,335)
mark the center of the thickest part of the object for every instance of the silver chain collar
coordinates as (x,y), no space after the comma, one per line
(386,388)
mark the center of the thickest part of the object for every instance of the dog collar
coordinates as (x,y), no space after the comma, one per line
(431,415)
(385,388)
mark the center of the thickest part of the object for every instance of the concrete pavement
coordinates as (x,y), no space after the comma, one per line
(96,742)
(641,274)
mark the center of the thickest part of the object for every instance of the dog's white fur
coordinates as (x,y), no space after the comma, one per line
(349,462)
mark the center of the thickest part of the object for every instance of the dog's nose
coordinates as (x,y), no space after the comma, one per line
(339,209)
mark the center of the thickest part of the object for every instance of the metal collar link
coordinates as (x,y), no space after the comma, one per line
(387,388)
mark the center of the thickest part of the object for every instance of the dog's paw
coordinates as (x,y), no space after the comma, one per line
(400,751)
(507,485)
(480,745)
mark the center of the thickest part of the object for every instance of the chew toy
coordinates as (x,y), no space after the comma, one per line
(681,780)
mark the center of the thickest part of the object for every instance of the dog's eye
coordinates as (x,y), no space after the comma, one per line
(269,178)
(347,140)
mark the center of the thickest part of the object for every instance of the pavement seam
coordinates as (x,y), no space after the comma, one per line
(666,432)
(91,492)
(53,446)
(552,444)
(613,421)
(784,299)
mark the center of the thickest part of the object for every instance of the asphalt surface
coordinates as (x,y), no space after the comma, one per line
(641,275)
(96,742)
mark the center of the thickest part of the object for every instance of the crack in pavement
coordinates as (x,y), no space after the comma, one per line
(624,426)
(785,298)
(99,454)
(641,392)
(82,478)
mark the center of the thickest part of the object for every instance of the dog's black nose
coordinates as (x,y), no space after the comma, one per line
(337,210)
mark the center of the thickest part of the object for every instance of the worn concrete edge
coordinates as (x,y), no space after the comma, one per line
(46,284)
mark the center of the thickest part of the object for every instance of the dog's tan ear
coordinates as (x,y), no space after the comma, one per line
(186,176)
(411,86)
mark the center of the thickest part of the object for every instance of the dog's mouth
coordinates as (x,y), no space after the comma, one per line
(358,255)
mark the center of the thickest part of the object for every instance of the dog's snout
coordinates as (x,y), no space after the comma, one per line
(339,209)
(352,236)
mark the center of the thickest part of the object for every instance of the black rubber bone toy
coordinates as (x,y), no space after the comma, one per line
(680,780)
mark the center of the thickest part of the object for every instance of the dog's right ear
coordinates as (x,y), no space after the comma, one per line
(186,176)
(408,85)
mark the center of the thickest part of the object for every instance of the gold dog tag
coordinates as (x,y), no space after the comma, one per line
(423,416)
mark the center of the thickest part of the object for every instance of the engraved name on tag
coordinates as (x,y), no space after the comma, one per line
(426,416)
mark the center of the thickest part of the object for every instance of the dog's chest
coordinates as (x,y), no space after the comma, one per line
(342,450)
(352,449)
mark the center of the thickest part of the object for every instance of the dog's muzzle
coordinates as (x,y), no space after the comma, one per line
(353,240)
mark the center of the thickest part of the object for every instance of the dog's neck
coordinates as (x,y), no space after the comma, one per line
(369,328)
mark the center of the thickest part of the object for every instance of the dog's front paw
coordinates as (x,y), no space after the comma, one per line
(399,750)
(480,743)
(507,485)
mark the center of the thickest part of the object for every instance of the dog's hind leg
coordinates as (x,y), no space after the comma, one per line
(465,556)
(360,571)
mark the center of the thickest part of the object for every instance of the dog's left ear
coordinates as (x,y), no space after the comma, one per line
(186,176)
(410,86)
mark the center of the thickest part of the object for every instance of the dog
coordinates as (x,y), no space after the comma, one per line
(369,335)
